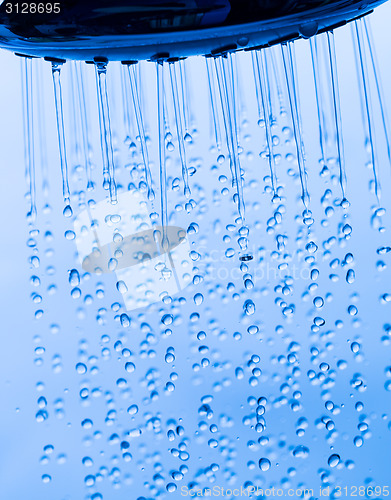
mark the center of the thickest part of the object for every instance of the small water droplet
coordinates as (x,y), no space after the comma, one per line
(264,464)
(334,460)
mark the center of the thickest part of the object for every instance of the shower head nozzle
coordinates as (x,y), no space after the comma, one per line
(145,29)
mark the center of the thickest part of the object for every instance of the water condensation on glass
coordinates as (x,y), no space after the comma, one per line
(213,311)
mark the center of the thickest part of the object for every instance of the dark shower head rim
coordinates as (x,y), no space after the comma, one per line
(174,44)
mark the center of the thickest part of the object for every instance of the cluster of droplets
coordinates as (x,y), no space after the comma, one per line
(147,353)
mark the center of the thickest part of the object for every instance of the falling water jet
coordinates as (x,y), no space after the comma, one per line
(126,111)
(179,127)
(379,89)
(260,57)
(42,134)
(226,119)
(105,169)
(75,126)
(131,71)
(226,97)
(268,93)
(185,99)
(261,111)
(162,153)
(213,102)
(276,75)
(364,84)
(84,122)
(56,73)
(28,111)
(337,114)
(108,167)
(286,49)
(167,131)
(240,110)
(224,71)
(319,102)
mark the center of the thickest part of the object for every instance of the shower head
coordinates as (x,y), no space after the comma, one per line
(161,29)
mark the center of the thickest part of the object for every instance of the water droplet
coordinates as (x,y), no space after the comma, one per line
(121,287)
(264,464)
(125,321)
(249,307)
(311,247)
(350,276)
(355,347)
(133,410)
(70,235)
(198,299)
(67,212)
(334,460)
